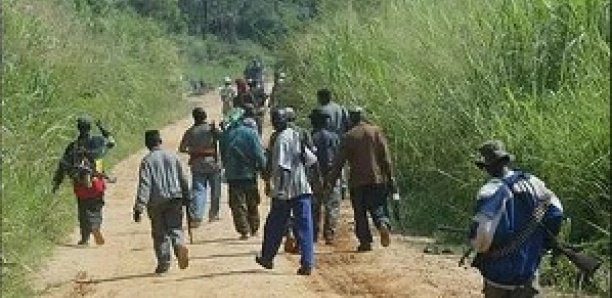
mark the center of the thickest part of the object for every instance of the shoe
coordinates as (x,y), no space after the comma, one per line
(83,243)
(162,268)
(290,245)
(214,218)
(262,263)
(304,271)
(364,247)
(98,236)
(254,234)
(182,256)
(244,237)
(329,241)
(385,236)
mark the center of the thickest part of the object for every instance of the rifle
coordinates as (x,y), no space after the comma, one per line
(466,253)
(586,264)
(189,231)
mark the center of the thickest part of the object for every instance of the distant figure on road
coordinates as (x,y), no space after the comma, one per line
(255,72)
(364,147)
(278,95)
(227,94)
(201,141)
(243,95)
(82,162)
(517,218)
(163,190)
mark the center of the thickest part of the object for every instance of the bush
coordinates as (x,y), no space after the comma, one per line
(443,76)
(58,64)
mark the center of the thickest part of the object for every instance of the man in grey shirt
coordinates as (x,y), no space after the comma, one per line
(163,189)
(290,192)
(338,115)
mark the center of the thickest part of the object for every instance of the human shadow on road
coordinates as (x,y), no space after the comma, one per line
(117,278)
(235,272)
(218,240)
(231,255)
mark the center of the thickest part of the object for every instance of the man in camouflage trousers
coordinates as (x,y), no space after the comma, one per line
(82,161)
(243,156)
(326,144)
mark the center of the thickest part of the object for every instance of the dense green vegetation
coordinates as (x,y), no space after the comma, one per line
(115,60)
(56,65)
(443,76)
(439,76)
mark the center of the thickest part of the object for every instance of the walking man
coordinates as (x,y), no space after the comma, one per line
(243,156)
(338,124)
(291,192)
(517,217)
(227,94)
(326,144)
(200,141)
(82,162)
(279,90)
(163,190)
(364,148)
(243,96)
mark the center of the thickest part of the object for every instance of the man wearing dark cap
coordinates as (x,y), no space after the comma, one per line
(163,190)
(200,141)
(516,219)
(364,147)
(243,157)
(249,118)
(82,162)
(326,144)
(290,192)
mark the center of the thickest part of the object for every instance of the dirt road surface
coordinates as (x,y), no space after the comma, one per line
(223,266)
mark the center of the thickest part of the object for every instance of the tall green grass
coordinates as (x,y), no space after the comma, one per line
(443,76)
(58,64)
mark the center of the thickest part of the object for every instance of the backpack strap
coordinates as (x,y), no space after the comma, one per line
(536,217)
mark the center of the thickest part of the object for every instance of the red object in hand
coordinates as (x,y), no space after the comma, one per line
(96,190)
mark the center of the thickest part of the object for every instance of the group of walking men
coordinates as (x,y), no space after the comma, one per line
(516,216)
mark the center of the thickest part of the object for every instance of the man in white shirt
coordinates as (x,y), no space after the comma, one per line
(290,192)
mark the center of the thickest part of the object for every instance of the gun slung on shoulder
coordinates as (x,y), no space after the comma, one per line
(586,264)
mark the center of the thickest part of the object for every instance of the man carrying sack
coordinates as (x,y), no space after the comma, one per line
(82,161)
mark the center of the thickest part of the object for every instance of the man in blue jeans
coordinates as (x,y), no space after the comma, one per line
(291,192)
(200,141)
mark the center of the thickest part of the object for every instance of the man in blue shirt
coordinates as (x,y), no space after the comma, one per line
(516,219)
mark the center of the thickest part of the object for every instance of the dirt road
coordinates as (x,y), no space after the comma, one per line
(223,266)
